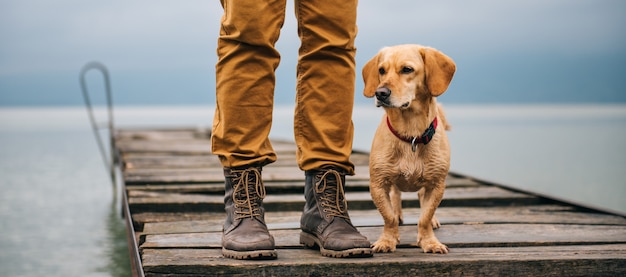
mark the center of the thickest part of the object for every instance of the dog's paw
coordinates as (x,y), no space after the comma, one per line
(433,246)
(435,223)
(385,245)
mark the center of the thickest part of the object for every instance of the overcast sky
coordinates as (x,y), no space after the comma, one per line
(163,52)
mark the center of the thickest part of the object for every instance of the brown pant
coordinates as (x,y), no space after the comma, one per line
(245,82)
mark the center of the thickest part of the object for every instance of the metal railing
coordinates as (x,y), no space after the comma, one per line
(108,158)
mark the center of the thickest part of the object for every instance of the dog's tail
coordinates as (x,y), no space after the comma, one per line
(442,117)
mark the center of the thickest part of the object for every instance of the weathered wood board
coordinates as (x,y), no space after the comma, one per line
(596,260)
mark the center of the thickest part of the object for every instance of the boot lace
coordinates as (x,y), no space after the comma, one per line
(248,193)
(332,192)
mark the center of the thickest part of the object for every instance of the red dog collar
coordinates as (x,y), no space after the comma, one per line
(414,141)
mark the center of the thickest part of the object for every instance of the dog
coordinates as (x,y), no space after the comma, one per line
(410,150)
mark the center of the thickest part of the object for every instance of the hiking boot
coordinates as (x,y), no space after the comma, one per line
(325,222)
(245,234)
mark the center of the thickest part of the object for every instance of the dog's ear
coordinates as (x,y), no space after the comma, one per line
(439,70)
(370,77)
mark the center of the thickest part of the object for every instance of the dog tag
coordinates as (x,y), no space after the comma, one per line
(414,144)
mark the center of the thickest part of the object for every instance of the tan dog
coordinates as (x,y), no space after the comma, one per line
(410,151)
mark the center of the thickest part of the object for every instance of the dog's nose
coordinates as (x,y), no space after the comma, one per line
(382,93)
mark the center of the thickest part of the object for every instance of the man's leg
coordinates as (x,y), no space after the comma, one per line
(323,124)
(243,117)
(245,81)
(325,87)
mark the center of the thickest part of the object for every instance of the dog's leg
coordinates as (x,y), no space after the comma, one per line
(396,203)
(390,237)
(435,221)
(425,235)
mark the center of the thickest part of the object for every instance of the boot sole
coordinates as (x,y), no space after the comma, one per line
(313,242)
(250,255)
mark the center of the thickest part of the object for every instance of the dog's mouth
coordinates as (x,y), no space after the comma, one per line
(381,103)
(387,104)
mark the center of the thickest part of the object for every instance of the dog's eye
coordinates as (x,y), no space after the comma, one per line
(406,70)
(381,71)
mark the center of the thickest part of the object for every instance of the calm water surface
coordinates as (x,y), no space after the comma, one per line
(59,217)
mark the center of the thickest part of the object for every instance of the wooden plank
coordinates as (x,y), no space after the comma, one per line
(172,161)
(547,214)
(144,201)
(600,260)
(453,235)
(218,188)
(211,175)
(139,219)
(187,147)
(159,160)
(162,134)
(177,143)
(453,181)
(271,186)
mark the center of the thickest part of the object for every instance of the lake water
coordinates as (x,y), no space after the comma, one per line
(58,215)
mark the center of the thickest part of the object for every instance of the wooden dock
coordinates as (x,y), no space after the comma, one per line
(173,204)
